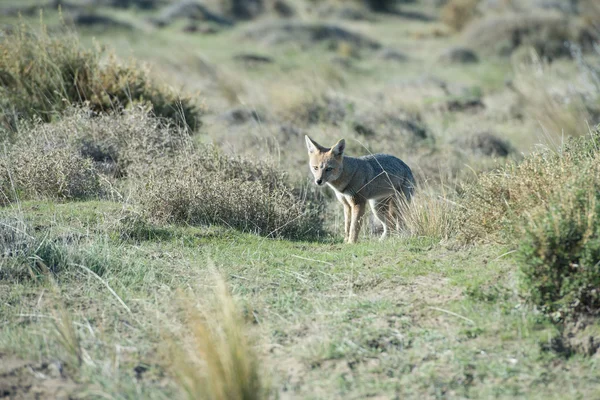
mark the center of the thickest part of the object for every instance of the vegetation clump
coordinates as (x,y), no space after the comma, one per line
(41,75)
(208,187)
(549,205)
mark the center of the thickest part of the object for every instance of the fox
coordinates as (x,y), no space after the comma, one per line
(382,180)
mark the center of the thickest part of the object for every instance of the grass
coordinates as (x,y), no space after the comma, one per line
(405,317)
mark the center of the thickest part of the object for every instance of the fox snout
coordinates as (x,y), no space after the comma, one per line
(319,181)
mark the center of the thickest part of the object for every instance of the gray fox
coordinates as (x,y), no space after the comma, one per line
(383,180)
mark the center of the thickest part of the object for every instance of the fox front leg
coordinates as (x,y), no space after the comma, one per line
(357,212)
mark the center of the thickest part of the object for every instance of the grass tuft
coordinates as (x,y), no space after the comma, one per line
(221,364)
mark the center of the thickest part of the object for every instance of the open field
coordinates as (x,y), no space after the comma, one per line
(161,235)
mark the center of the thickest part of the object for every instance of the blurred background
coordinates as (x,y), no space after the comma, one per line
(439,83)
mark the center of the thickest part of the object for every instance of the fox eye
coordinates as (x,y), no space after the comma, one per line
(328,169)
(316,167)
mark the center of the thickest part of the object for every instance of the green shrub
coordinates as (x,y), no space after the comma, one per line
(207,187)
(560,250)
(549,206)
(41,75)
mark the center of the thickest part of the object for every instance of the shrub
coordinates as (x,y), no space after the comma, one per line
(560,250)
(33,171)
(207,187)
(117,143)
(458,13)
(550,206)
(497,201)
(41,75)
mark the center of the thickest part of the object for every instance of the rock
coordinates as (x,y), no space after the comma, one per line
(309,34)
(393,55)
(459,55)
(245,9)
(465,104)
(283,9)
(189,9)
(485,143)
(253,58)
(344,12)
(98,20)
(203,29)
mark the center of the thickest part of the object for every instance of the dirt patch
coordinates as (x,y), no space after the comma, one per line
(21,379)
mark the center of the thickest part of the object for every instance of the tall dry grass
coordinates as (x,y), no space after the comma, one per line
(217,361)
(431,213)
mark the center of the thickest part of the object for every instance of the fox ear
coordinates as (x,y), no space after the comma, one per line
(313,147)
(339,148)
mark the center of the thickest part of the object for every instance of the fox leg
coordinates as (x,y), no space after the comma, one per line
(347,216)
(358,210)
(380,208)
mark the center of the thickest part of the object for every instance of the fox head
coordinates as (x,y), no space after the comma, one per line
(326,164)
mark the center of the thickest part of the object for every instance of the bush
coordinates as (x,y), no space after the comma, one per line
(41,75)
(207,187)
(560,250)
(495,204)
(33,171)
(117,143)
(550,206)
(458,13)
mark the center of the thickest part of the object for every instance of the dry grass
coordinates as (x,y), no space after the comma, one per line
(497,202)
(34,171)
(546,32)
(431,214)
(219,362)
